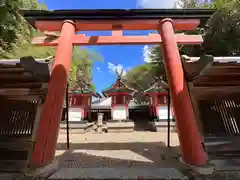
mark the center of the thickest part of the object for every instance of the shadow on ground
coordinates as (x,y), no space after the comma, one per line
(126,154)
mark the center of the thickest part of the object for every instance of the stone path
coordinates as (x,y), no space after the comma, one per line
(138,149)
(129,153)
(119,173)
(132,154)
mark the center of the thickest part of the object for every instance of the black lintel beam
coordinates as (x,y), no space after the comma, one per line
(118,14)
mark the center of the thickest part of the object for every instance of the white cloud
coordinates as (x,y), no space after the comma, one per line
(98,69)
(116,67)
(156,4)
(146,54)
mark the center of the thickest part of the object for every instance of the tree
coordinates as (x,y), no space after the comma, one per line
(81,67)
(16,35)
(221,34)
(14,30)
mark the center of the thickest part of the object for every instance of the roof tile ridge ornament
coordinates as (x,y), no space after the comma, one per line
(119,84)
(158,83)
(119,78)
(82,85)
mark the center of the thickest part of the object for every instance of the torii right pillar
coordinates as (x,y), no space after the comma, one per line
(188,133)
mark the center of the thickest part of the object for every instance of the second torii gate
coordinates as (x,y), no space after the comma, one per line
(68,22)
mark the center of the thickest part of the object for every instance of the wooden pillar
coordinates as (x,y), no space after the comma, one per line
(155,104)
(114,99)
(124,99)
(189,136)
(46,140)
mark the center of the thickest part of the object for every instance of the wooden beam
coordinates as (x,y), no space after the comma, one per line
(25,97)
(12,70)
(16,76)
(207,92)
(217,81)
(106,25)
(120,40)
(20,85)
(21,91)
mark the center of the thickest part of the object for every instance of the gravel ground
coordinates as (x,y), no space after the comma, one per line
(137,149)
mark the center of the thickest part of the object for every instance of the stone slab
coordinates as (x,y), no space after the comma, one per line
(226,164)
(75,127)
(116,126)
(118,173)
(161,126)
(78,125)
(72,131)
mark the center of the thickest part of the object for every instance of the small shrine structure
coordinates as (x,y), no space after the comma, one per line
(120,94)
(158,99)
(80,100)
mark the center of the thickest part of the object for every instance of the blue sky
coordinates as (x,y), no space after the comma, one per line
(114,57)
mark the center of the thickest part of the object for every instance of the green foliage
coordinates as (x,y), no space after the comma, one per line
(81,67)
(14,30)
(138,80)
(16,35)
(222,38)
(221,35)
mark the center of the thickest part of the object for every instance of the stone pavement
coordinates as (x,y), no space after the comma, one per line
(119,173)
(137,149)
(127,155)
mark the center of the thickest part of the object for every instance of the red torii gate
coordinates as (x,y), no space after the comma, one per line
(68,22)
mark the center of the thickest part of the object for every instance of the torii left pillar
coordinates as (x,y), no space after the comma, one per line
(47,134)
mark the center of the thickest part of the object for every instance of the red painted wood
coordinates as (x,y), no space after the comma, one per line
(81,25)
(118,93)
(156,93)
(76,95)
(189,137)
(46,140)
(120,40)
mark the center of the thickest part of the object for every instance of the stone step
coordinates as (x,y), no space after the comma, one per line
(118,173)
(226,164)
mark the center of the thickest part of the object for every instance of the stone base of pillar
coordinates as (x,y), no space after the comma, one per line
(120,126)
(43,172)
(207,169)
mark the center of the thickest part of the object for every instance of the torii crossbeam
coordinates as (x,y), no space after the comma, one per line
(68,22)
(118,40)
